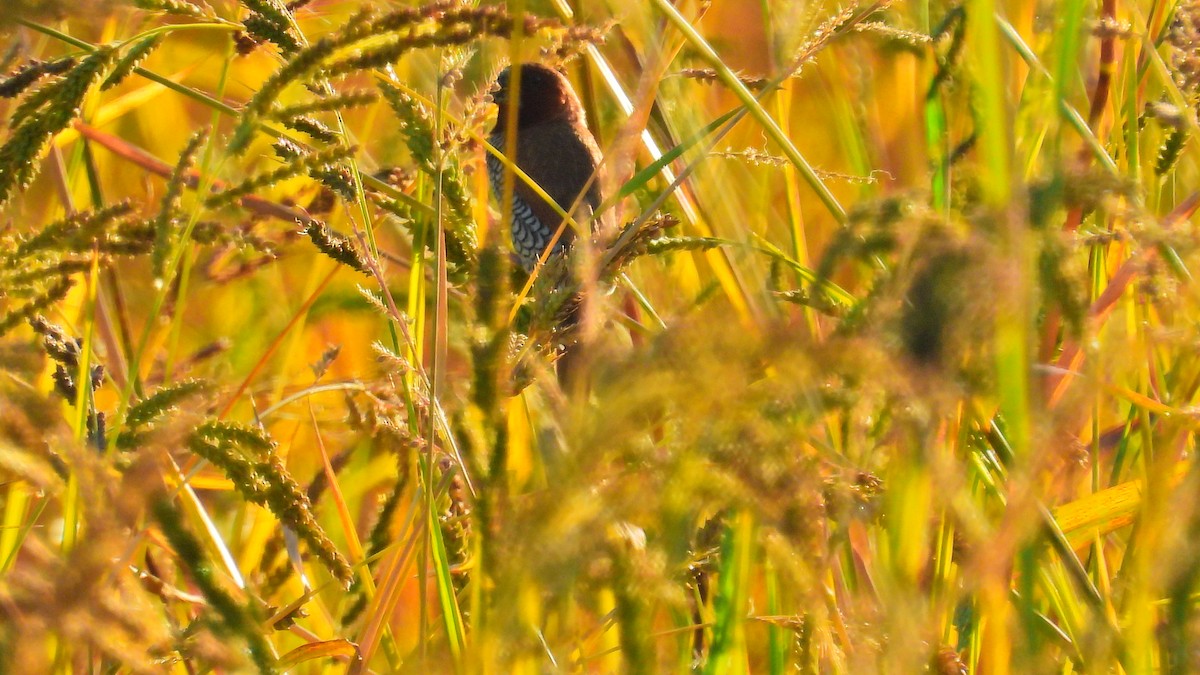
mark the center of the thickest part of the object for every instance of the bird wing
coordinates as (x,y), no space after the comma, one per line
(561,160)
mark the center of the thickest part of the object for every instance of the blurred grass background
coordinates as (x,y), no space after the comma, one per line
(898,371)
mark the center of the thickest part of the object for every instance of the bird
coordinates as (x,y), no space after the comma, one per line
(555,148)
(557,151)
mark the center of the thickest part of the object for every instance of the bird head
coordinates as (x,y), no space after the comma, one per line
(543,95)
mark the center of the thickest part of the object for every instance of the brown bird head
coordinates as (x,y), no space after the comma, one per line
(545,95)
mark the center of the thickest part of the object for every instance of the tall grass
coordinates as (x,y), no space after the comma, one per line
(890,366)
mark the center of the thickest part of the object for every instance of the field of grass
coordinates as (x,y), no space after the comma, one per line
(890,363)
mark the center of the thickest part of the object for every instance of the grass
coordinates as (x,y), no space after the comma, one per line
(889,366)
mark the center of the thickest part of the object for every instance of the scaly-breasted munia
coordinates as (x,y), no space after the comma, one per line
(555,149)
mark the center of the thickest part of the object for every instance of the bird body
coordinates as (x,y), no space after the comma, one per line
(555,149)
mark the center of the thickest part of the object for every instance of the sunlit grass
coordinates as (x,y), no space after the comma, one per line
(891,365)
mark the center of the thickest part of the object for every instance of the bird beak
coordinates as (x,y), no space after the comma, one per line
(500,97)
